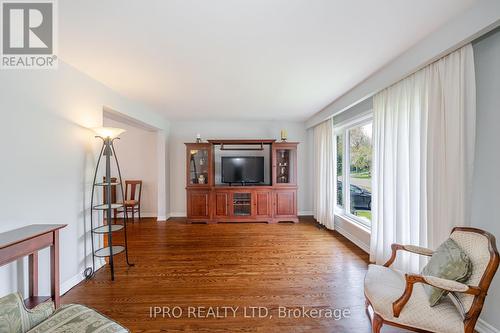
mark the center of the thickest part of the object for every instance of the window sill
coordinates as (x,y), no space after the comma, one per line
(341,213)
(354,231)
(355,223)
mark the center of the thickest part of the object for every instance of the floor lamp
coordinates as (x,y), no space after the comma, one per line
(108,135)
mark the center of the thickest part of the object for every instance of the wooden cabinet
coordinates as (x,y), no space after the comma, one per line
(199,165)
(285,208)
(211,203)
(284,156)
(242,204)
(198,204)
(221,205)
(262,203)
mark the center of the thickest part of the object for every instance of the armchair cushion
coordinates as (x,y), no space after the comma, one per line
(448,262)
(384,285)
(15,318)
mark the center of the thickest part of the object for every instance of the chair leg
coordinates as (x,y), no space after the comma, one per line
(139,211)
(377,323)
(133,214)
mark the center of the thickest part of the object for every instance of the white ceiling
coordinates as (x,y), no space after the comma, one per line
(241,59)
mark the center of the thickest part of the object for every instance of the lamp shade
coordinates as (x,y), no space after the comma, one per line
(108,132)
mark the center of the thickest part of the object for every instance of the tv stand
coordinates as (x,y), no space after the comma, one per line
(212,203)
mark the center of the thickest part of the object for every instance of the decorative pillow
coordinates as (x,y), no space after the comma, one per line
(15,318)
(449,262)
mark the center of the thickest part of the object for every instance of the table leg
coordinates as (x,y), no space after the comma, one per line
(33,274)
(54,270)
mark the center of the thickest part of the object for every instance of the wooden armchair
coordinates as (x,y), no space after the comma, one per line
(398,299)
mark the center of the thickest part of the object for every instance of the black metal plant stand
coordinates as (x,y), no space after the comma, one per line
(111,225)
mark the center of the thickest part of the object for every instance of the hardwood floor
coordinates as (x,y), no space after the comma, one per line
(232,265)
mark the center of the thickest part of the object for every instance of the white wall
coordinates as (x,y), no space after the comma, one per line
(486,182)
(48,158)
(185,131)
(137,154)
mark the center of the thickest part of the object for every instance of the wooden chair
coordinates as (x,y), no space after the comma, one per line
(132,202)
(399,299)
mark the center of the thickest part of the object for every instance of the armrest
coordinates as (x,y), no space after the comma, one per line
(418,250)
(408,248)
(449,285)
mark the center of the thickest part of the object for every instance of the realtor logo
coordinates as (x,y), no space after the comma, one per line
(28,34)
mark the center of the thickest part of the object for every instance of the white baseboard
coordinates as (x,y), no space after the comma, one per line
(146,214)
(162,218)
(484,327)
(178,214)
(306,213)
(73,281)
(68,284)
(359,243)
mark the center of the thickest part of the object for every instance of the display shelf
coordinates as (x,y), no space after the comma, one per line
(105,228)
(106,206)
(106,251)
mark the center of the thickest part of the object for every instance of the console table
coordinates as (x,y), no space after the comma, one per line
(27,241)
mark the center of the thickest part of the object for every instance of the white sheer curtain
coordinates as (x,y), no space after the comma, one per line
(424,133)
(325,194)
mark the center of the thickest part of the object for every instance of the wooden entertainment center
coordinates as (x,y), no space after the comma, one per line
(211,201)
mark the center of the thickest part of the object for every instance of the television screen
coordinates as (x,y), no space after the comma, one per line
(247,169)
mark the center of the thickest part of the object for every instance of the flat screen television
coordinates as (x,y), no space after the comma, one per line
(243,169)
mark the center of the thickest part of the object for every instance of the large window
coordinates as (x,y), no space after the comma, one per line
(354,166)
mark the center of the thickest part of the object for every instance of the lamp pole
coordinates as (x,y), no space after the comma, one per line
(108,152)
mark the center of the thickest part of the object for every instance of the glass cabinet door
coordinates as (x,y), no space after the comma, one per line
(242,204)
(199,165)
(285,166)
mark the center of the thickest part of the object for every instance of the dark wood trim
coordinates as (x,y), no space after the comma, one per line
(241,141)
(33,274)
(24,248)
(28,240)
(54,270)
(15,236)
(395,248)
(479,292)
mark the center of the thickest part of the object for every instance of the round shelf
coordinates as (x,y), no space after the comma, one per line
(106,206)
(106,184)
(105,251)
(105,228)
